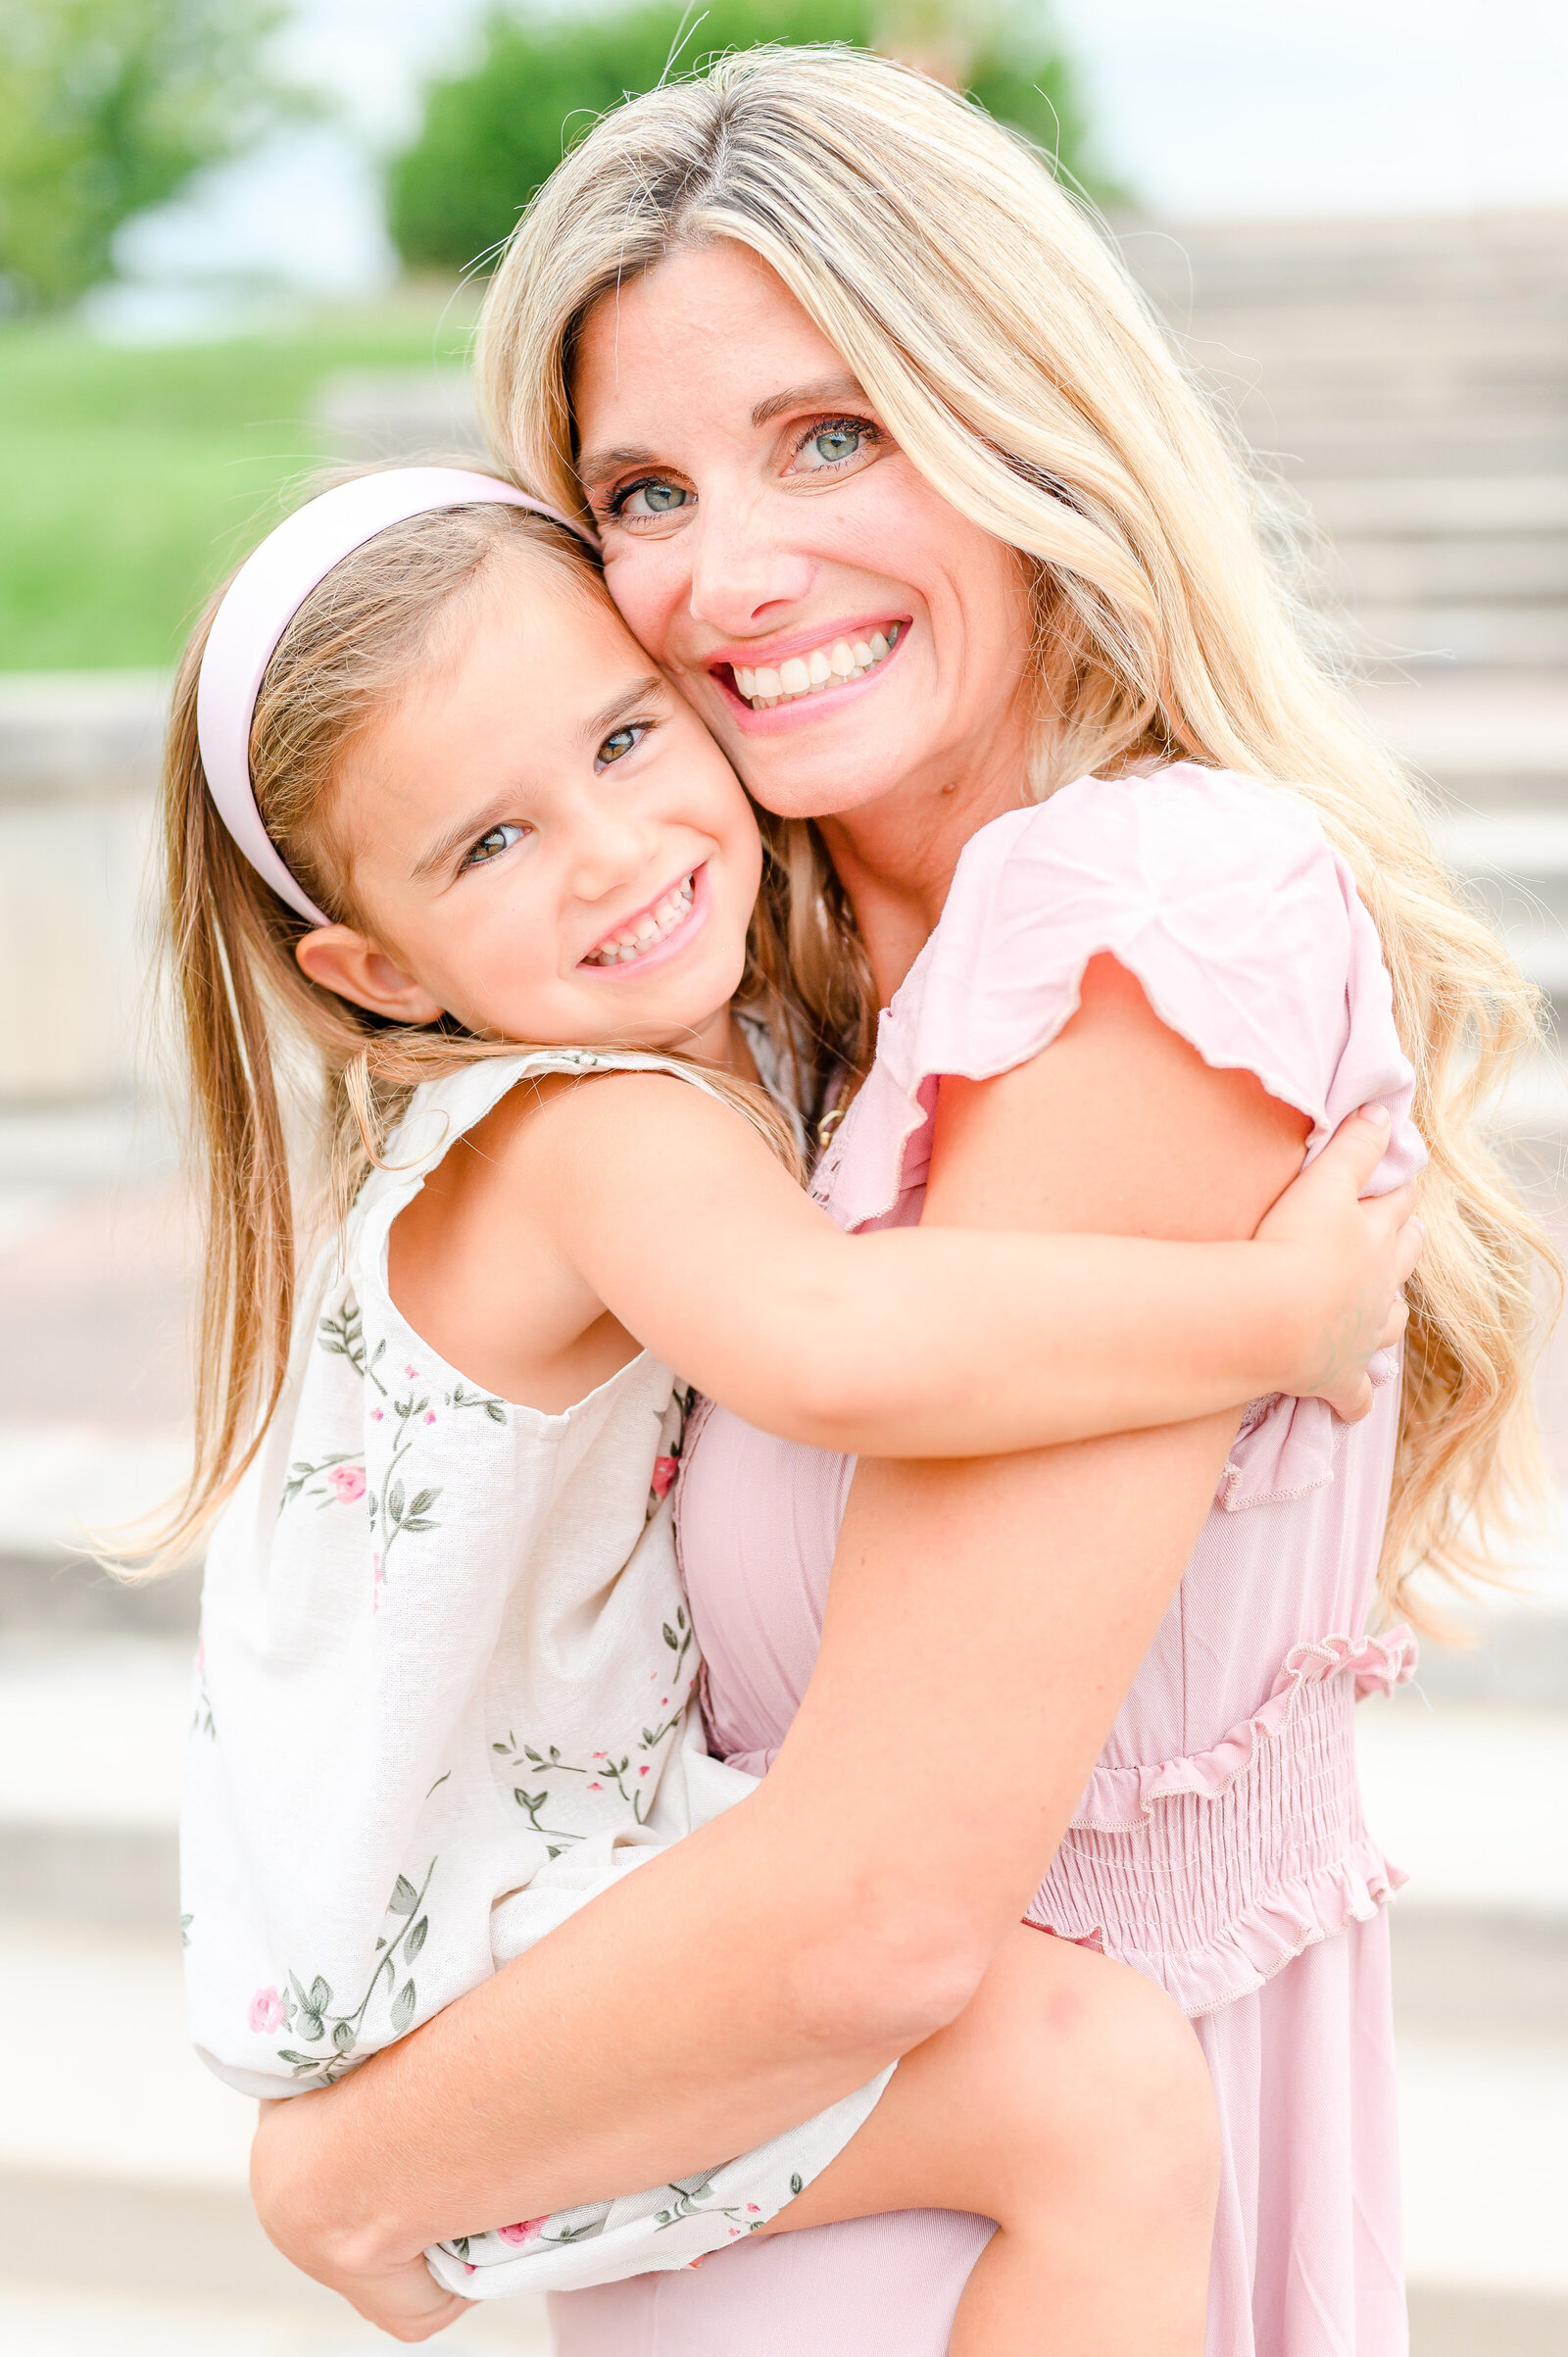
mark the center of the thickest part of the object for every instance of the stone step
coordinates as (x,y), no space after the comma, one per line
(1445,636)
(1493,257)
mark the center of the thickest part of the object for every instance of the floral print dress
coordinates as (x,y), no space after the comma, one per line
(445,1697)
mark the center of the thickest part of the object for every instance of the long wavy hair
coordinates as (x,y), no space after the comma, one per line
(996,330)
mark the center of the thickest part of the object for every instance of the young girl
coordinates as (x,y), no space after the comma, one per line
(428,799)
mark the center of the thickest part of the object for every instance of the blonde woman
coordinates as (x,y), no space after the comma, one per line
(901,485)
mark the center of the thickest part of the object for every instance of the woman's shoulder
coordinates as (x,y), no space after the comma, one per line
(1182,832)
(1220,895)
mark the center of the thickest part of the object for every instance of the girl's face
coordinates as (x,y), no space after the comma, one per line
(541,838)
(843,630)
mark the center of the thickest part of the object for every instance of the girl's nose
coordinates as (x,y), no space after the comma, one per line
(610,849)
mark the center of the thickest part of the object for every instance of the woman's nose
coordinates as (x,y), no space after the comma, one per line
(740,572)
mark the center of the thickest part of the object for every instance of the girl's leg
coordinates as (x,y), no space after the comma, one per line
(1070,2102)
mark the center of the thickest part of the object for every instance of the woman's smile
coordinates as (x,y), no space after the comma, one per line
(790,672)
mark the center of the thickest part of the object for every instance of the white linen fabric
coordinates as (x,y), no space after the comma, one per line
(444,1697)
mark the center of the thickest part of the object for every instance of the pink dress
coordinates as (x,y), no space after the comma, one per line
(1220,1847)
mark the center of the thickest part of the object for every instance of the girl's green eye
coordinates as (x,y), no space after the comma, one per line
(491,846)
(619,743)
(837,442)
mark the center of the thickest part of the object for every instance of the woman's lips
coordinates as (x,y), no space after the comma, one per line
(825,674)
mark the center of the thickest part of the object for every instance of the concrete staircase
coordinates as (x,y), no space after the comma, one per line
(1410,378)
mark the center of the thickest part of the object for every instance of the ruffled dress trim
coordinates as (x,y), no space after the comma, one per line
(1209,1873)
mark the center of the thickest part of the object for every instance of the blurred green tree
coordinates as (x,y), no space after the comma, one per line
(491,135)
(107,107)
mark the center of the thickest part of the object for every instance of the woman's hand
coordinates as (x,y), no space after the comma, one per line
(399,2295)
(1352,1255)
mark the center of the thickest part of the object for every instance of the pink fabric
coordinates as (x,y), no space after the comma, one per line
(1220,1846)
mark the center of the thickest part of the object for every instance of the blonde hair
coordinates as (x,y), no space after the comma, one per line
(1012,356)
(249,1018)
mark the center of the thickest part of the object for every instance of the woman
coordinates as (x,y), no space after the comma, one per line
(832,363)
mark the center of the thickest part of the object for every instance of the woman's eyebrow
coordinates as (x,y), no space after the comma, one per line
(595,464)
(807,397)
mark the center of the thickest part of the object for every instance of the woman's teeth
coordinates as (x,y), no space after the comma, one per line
(645,932)
(809,674)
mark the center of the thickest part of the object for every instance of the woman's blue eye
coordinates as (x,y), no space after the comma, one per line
(619,743)
(840,439)
(491,846)
(648,498)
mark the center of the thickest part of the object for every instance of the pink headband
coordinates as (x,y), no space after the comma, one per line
(263,598)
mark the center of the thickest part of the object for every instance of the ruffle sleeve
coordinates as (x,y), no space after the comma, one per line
(1219,894)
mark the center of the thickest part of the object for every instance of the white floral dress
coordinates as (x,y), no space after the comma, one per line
(444,1697)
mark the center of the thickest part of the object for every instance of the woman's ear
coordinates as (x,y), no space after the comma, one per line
(339,960)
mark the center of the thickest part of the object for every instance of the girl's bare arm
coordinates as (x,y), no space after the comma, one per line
(984,1621)
(937,1342)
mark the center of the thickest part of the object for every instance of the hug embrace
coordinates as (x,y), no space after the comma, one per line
(796,1528)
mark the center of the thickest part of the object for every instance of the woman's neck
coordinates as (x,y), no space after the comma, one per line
(895,856)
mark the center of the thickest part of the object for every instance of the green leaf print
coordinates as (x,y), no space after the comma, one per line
(306,2011)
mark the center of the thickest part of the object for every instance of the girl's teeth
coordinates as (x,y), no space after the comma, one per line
(622,947)
(824,666)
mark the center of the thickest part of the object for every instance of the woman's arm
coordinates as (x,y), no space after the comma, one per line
(984,1621)
(933,1341)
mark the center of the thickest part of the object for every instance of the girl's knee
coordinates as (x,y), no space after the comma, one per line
(1121,2090)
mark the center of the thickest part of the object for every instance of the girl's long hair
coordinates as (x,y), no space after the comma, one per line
(258,1039)
(999,336)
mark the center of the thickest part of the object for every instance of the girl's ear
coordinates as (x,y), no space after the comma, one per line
(340,959)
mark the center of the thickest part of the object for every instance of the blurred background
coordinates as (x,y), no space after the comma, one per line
(239,238)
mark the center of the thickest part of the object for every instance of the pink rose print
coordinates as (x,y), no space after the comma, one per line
(265,2010)
(376,1415)
(430,1416)
(523,2231)
(664,1469)
(347,1483)
(413,1374)
(594,1785)
(645,1771)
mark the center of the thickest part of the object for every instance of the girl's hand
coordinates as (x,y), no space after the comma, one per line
(399,2295)
(1353,1254)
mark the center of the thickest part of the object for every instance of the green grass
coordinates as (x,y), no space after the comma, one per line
(131,479)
